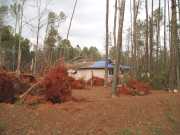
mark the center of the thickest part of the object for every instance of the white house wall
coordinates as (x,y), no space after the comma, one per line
(86,74)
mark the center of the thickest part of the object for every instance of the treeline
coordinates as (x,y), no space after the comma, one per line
(19,54)
(9,52)
(153,44)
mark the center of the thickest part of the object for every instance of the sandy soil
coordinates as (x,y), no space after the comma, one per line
(96,113)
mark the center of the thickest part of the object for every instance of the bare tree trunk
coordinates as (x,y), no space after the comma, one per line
(115,21)
(158,37)
(178,47)
(132,46)
(174,58)
(20,33)
(165,46)
(118,47)
(147,38)
(15,31)
(71,19)
(107,43)
(179,9)
(151,38)
(135,11)
(169,21)
(37,36)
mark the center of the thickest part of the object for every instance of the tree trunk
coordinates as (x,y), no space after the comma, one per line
(174,58)
(147,37)
(158,37)
(151,39)
(165,46)
(179,9)
(118,47)
(20,33)
(135,13)
(71,19)
(37,37)
(178,47)
(107,43)
(115,21)
(132,46)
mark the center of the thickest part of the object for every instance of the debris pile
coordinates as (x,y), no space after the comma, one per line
(7,90)
(77,84)
(124,89)
(11,87)
(56,84)
(27,78)
(96,81)
(134,87)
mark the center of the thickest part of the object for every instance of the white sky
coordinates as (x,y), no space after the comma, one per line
(88,27)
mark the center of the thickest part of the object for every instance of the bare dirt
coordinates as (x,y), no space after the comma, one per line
(94,112)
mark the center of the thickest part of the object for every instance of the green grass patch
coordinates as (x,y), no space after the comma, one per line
(172,115)
(3,127)
(125,131)
(156,131)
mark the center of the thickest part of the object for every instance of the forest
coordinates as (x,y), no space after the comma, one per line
(152,46)
(20,54)
(88,67)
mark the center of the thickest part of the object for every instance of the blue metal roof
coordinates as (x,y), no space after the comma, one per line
(102,64)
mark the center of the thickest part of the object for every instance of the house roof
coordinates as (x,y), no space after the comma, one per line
(102,64)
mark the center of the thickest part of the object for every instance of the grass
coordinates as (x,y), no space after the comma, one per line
(125,131)
(3,127)
(156,131)
(129,131)
(138,132)
(172,115)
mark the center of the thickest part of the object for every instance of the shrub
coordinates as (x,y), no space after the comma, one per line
(160,80)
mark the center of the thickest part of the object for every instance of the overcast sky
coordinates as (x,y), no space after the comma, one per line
(88,27)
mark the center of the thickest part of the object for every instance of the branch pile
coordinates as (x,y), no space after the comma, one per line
(96,81)
(134,87)
(7,91)
(77,84)
(10,87)
(56,85)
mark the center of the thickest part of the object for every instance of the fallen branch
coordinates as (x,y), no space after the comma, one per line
(29,90)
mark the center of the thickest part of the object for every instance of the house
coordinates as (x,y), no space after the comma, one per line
(96,69)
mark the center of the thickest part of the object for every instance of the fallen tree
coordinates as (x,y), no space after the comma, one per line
(54,87)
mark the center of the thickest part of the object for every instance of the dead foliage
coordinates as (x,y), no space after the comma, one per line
(28,78)
(56,85)
(96,81)
(134,87)
(10,87)
(7,90)
(77,84)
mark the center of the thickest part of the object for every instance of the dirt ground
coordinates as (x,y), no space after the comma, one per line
(96,113)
